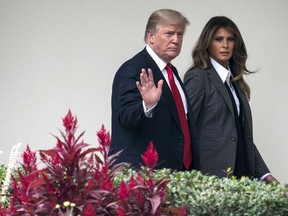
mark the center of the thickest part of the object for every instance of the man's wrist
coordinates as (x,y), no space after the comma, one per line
(148,112)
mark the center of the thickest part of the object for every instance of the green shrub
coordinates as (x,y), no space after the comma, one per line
(210,195)
(3,169)
(3,200)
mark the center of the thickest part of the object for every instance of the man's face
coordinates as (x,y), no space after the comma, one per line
(166,41)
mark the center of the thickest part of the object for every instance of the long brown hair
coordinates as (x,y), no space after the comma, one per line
(237,63)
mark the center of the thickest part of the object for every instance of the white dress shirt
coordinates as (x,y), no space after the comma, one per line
(225,76)
(161,65)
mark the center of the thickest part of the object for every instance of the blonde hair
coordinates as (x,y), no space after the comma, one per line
(162,17)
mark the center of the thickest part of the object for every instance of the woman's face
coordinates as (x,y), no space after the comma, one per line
(222,45)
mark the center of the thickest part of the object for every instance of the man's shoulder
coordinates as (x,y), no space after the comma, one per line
(139,57)
(132,66)
(139,60)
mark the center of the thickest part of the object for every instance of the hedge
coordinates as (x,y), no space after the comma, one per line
(210,195)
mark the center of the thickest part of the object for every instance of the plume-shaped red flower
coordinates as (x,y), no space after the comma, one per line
(89,210)
(3,211)
(29,160)
(120,212)
(123,193)
(107,184)
(150,156)
(70,122)
(104,137)
(183,211)
(132,182)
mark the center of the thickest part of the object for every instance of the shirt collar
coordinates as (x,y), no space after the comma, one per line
(222,71)
(160,63)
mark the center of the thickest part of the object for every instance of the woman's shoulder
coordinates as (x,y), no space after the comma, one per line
(196,71)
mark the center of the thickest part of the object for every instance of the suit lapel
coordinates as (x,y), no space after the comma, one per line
(167,95)
(189,108)
(243,101)
(216,80)
(171,99)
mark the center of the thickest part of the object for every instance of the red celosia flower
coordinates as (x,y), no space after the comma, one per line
(150,182)
(89,210)
(29,156)
(132,183)
(150,156)
(29,160)
(139,178)
(103,137)
(183,211)
(2,211)
(98,172)
(123,193)
(107,184)
(15,188)
(70,122)
(105,170)
(120,212)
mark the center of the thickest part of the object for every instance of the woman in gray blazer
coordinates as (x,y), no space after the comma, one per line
(219,99)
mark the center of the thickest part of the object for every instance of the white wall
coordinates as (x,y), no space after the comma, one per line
(61,54)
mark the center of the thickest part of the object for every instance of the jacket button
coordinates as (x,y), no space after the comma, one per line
(233,138)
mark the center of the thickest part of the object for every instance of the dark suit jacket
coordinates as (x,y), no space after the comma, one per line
(132,130)
(215,121)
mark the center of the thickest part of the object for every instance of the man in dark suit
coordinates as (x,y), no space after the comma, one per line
(145,110)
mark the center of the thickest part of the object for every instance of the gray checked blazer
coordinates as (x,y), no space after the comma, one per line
(214,117)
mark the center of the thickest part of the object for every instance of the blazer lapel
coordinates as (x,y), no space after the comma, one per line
(243,101)
(216,80)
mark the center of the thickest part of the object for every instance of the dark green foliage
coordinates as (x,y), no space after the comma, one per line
(210,195)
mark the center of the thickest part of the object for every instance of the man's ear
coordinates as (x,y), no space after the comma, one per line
(150,37)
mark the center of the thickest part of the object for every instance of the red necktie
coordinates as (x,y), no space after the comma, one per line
(187,159)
